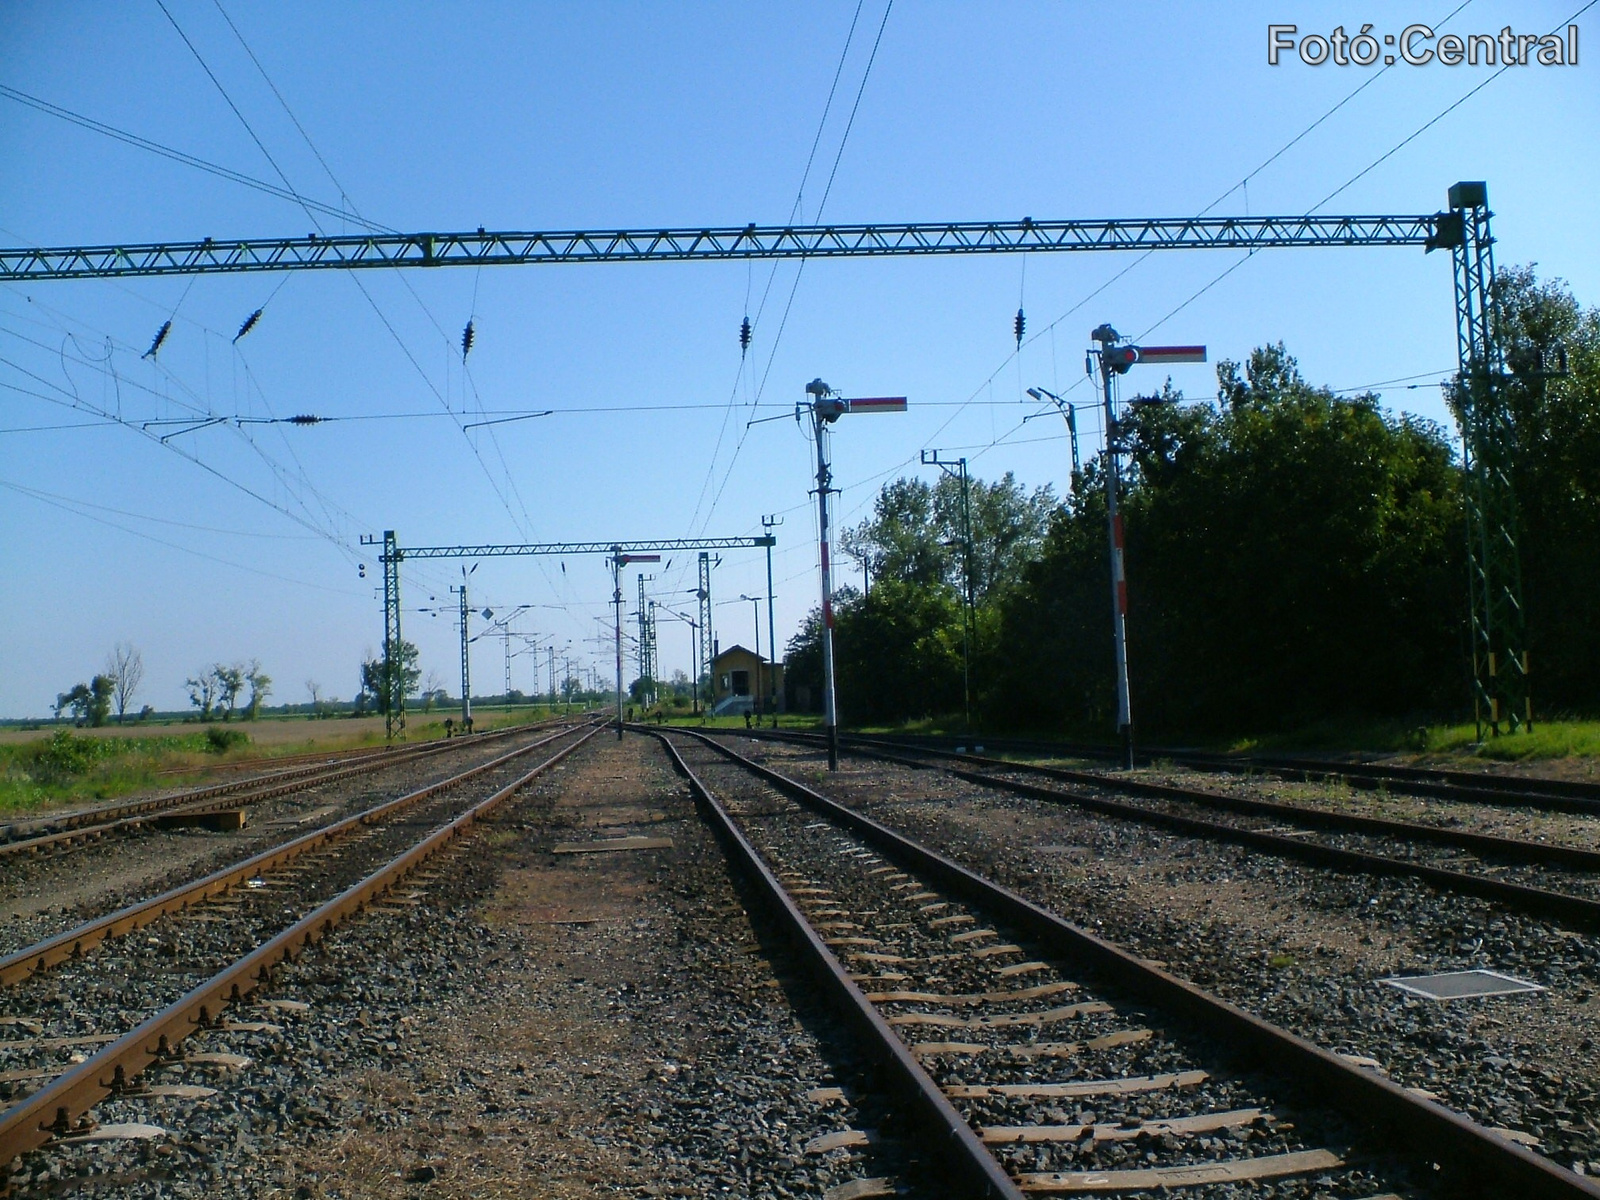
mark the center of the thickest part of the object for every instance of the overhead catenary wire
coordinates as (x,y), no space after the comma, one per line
(794,288)
(794,210)
(139,533)
(179,156)
(1242,183)
(523,523)
(1374,164)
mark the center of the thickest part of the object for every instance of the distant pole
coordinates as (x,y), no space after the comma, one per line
(755,613)
(767,525)
(466,655)
(694,628)
(616,603)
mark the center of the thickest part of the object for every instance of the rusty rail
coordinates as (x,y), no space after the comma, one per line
(73,943)
(51,1110)
(1477,1158)
(945,1130)
(1542,902)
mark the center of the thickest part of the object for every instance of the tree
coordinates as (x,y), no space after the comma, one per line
(1555,478)
(260,688)
(125,668)
(1292,556)
(229,683)
(916,532)
(432,689)
(314,689)
(375,679)
(202,687)
(90,702)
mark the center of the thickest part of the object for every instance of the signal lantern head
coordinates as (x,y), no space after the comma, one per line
(1119,358)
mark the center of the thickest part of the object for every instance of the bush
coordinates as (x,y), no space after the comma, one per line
(65,756)
(222,740)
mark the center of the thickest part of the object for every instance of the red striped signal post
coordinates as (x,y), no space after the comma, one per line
(618,561)
(827,406)
(1116,358)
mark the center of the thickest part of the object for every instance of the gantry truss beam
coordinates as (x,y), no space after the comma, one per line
(668,545)
(737,242)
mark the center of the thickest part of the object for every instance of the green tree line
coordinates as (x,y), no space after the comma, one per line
(1294,555)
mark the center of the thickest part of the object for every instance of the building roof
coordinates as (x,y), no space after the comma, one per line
(736,648)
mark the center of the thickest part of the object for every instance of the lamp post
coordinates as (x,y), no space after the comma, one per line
(755,610)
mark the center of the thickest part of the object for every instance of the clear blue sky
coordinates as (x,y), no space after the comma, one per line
(524,116)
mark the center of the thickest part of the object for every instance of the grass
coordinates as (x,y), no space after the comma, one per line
(1553,739)
(1548,739)
(65,767)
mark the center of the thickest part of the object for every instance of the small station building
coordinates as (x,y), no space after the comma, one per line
(738,672)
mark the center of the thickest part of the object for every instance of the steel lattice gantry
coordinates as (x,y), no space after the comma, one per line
(1500,652)
(482,248)
(394,701)
(1488,440)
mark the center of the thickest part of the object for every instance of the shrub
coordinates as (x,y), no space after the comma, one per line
(222,740)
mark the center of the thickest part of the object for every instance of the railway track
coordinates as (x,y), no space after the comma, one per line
(1478,787)
(1542,879)
(1040,1059)
(204,950)
(57,832)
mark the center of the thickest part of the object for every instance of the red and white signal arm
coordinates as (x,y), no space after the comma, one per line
(633,558)
(1171,354)
(874,404)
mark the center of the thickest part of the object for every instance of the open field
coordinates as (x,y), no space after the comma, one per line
(62,765)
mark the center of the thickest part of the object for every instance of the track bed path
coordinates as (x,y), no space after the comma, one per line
(1303,947)
(610,1024)
(520,1022)
(48,895)
(1076,1087)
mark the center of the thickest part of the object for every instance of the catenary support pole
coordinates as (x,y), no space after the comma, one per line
(466,659)
(616,604)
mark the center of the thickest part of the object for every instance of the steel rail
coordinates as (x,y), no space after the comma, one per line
(277,783)
(1478,1158)
(1562,906)
(73,943)
(1568,795)
(486,248)
(946,1131)
(50,1111)
(1543,853)
(1475,787)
